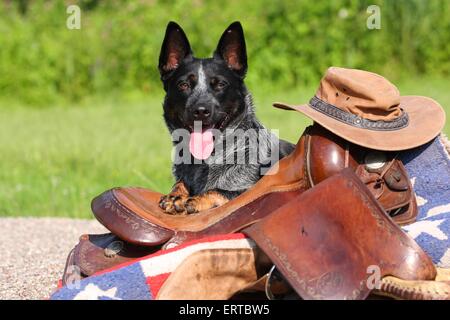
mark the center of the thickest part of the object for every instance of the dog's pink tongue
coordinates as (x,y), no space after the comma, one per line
(201,144)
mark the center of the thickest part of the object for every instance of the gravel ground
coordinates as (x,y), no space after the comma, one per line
(33,252)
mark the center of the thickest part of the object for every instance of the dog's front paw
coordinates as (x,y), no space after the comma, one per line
(209,200)
(173,204)
(193,205)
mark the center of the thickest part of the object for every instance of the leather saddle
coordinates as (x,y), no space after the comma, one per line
(330,241)
(322,244)
(133,214)
(135,219)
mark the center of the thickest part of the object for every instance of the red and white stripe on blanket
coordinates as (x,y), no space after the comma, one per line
(142,278)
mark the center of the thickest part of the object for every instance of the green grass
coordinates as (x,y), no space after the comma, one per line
(55,160)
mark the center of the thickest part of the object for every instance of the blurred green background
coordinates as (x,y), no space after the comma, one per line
(80,110)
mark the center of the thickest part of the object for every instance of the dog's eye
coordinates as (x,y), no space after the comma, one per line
(220,85)
(183,86)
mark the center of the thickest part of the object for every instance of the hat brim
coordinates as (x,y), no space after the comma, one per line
(426,120)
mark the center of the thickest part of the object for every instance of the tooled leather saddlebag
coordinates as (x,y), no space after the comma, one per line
(326,240)
(385,176)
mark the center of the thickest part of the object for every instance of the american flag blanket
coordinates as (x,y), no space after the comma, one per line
(428,167)
(142,278)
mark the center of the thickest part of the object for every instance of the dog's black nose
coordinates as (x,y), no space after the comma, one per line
(202,113)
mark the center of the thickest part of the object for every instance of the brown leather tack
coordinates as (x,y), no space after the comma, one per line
(99,252)
(324,240)
(134,215)
(383,174)
(400,289)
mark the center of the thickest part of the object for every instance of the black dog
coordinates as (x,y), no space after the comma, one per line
(212,92)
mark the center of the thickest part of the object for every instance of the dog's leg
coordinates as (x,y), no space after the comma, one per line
(174,202)
(205,201)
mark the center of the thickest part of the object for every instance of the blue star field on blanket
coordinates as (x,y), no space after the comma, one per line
(429,169)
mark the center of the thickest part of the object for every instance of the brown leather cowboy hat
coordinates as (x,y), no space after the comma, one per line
(366,109)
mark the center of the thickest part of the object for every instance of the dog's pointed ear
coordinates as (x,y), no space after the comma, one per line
(232,49)
(175,48)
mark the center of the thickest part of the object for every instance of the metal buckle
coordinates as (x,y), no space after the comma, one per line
(269,293)
(375,160)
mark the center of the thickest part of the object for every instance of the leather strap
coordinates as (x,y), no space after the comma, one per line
(357,121)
